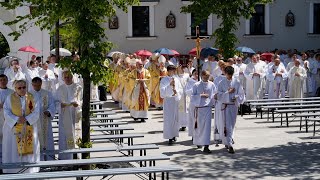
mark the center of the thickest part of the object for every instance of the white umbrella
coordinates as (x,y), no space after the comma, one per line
(62,52)
(111,53)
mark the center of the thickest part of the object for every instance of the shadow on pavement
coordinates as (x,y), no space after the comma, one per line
(292,159)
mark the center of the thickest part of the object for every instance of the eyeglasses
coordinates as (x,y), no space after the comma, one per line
(24,87)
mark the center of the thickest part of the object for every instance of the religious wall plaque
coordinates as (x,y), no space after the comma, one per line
(171,21)
(113,22)
(290,20)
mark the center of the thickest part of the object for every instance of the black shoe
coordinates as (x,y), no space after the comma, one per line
(135,119)
(143,120)
(174,139)
(116,102)
(226,146)
(206,150)
(198,146)
(182,129)
(217,145)
(170,141)
(231,150)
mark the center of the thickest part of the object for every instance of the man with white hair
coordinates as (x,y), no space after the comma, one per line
(140,98)
(69,97)
(296,75)
(277,76)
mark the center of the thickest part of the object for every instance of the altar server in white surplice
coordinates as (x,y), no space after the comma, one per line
(277,76)
(189,87)
(218,122)
(4,93)
(202,99)
(254,73)
(69,96)
(231,95)
(47,112)
(296,76)
(185,100)
(20,132)
(170,91)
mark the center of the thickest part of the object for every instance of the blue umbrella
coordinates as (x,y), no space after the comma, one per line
(244,49)
(205,52)
(164,51)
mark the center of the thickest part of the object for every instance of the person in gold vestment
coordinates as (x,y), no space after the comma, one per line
(157,71)
(20,131)
(140,96)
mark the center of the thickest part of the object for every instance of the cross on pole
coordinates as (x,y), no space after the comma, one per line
(198,48)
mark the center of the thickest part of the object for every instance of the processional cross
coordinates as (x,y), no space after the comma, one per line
(198,48)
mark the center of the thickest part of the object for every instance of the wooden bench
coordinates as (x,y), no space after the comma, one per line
(108,124)
(101,110)
(286,111)
(306,116)
(164,170)
(273,108)
(80,162)
(111,130)
(107,138)
(314,120)
(142,148)
(100,119)
(282,99)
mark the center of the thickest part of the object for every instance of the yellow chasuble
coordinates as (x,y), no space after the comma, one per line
(24,132)
(140,95)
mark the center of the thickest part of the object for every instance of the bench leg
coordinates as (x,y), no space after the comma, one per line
(268,114)
(300,124)
(281,118)
(272,115)
(314,128)
(306,125)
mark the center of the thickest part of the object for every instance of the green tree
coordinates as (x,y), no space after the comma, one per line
(229,12)
(85,18)
(4,46)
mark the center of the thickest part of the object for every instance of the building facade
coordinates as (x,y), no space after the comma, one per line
(32,37)
(282,24)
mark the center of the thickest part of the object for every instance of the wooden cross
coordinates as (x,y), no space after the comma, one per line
(198,47)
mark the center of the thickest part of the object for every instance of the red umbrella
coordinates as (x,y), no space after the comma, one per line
(194,51)
(29,49)
(143,53)
(267,56)
(175,52)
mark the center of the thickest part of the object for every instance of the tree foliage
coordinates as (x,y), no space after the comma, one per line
(84,19)
(4,46)
(229,12)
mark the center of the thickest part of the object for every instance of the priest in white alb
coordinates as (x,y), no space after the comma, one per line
(254,73)
(48,78)
(47,112)
(296,75)
(14,72)
(277,76)
(170,91)
(4,93)
(20,131)
(202,99)
(69,96)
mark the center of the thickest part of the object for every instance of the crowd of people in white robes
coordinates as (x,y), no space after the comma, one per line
(30,97)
